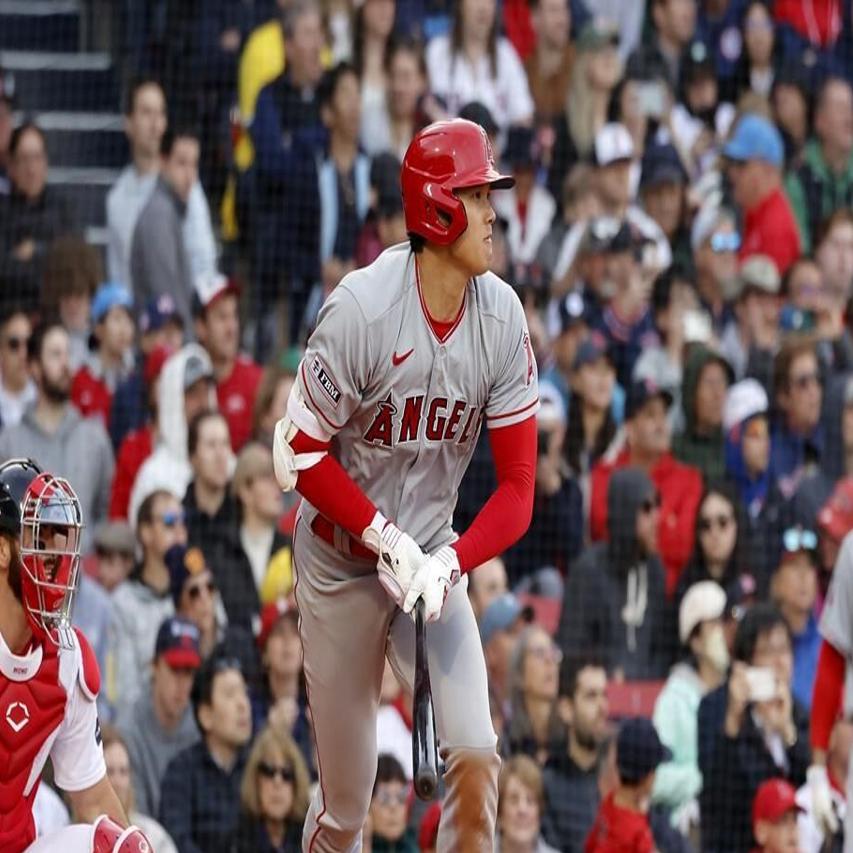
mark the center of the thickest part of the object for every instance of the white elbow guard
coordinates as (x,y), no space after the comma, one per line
(286,462)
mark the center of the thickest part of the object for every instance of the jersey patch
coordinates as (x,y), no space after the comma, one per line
(325,381)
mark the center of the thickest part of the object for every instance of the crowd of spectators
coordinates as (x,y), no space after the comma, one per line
(681,237)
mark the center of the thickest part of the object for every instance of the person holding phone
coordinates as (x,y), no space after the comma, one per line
(750,729)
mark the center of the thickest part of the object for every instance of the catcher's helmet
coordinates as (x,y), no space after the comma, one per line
(15,477)
(444,157)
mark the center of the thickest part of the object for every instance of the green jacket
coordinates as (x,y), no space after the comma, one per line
(815,192)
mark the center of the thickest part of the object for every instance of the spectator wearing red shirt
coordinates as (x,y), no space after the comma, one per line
(756,156)
(622,822)
(217,327)
(774,818)
(648,439)
(112,359)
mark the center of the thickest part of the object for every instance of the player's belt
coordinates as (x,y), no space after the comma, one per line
(339,539)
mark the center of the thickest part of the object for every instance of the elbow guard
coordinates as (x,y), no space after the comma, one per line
(287,463)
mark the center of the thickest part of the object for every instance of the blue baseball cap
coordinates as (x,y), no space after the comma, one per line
(109,296)
(159,311)
(755,138)
(501,615)
(178,643)
(639,750)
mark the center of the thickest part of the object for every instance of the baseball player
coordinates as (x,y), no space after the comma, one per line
(830,696)
(410,357)
(48,673)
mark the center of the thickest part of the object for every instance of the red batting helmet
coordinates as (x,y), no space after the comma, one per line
(444,157)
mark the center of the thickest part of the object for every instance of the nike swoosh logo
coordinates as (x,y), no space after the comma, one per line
(397,360)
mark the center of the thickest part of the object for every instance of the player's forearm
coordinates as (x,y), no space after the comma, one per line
(826,698)
(506,515)
(87,805)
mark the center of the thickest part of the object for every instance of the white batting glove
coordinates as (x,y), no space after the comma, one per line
(399,556)
(432,582)
(823,809)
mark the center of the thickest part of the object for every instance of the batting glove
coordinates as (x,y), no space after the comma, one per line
(399,556)
(823,809)
(432,582)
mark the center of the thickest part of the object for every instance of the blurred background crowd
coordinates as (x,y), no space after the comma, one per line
(183,182)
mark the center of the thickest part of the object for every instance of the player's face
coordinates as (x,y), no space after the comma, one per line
(118,771)
(780,837)
(472,252)
(388,810)
(275,786)
(230,718)
(518,814)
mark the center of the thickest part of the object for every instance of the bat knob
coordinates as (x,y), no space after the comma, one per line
(425,783)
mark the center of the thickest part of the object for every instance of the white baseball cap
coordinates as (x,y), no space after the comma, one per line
(613,144)
(703,601)
(744,400)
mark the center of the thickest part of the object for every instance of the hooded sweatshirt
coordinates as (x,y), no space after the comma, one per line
(703,450)
(79,450)
(614,604)
(168,467)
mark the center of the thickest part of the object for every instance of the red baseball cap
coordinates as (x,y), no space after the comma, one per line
(836,515)
(773,800)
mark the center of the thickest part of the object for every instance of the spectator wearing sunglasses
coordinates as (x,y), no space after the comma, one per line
(621,584)
(196,597)
(715,242)
(389,809)
(17,389)
(679,487)
(794,589)
(200,794)
(160,723)
(142,602)
(797,437)
(273,797)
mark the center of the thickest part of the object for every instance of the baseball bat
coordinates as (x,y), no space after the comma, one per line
(424,748)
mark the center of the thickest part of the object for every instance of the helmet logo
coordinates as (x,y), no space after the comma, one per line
(17,716)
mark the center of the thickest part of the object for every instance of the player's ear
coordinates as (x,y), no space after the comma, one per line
(5,553)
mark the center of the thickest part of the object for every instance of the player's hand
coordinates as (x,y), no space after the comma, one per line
(823,811)
(399,556)
(432,583)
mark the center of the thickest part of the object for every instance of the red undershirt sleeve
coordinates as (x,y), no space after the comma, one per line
(506,515)
(826,698)
(331,490)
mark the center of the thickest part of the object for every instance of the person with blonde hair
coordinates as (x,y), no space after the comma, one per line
(521,798)
(273,797)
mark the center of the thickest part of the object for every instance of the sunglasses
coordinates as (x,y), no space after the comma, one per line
(387,798)
(803,381)
(796,539)
(173,519)
(650,504)
(194,592)
(270,771)
(723,242)
(708,522)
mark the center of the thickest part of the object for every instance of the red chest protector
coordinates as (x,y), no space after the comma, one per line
(32,707)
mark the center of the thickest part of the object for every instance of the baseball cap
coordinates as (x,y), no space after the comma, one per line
(740,596)
(501,615)
(572,309)
(760,273)
(479,113)
(702,602)
(773,800)
(178,643)
(661,165)
(836,515)
(520,149)
(591,348)
(158,312)
(271,615)
(209,287)
(696,63)
(108,296)
(744,400)
(641,392)
(755,138)
(597,33)
(183,563)
(639,750)
(613,144)
(607,235)
(115,537)
(196,367)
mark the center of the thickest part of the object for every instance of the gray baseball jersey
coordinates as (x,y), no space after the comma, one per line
(406,408)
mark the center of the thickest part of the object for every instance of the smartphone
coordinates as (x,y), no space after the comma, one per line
(651,98)
(762,683)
